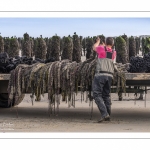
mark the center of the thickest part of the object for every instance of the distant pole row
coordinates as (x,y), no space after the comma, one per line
(71,47)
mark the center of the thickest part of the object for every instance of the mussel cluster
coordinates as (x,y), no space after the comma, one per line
(8,63)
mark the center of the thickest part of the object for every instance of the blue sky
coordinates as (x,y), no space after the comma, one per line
(47,27)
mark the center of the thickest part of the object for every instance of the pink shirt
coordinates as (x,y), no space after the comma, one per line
(102,54)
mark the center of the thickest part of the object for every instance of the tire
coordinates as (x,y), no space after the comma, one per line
(4,101)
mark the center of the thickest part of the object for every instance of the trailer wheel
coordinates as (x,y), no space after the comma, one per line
(4,100)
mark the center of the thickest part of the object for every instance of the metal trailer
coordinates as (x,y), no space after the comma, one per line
(132,80)
(4,80)
(135,80)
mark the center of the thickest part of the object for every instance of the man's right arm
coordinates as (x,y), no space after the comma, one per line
(96,44)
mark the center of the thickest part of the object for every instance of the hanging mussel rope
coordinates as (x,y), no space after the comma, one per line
(32,46)
(113,47)
(1,44)
(7,45)
(76,55)
(67,48)
(46,41)
(120,46)
(20,43)
(146,45)
(81,39)
(84,46)
(14,47)
(41,48)
(55,47)
(137,39)
(143,42)
(15,95)
(26,48)
(62,45)
(127,45)
(35,46)
(132,47)
(89,47)
(48,54)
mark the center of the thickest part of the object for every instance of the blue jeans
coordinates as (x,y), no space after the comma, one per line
(101,94)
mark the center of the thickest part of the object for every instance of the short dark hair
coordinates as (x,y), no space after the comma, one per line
(109,41)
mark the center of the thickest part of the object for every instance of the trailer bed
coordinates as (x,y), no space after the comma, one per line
(141,79)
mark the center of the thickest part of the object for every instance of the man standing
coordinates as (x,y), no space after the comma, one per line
(103,77)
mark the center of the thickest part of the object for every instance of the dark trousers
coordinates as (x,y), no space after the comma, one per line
(101,94)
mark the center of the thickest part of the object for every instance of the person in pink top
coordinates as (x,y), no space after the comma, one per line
(103,77)
(101,51)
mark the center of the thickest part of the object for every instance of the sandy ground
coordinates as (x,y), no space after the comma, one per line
(127,116)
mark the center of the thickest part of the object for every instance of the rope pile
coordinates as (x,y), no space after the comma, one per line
(59,78)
